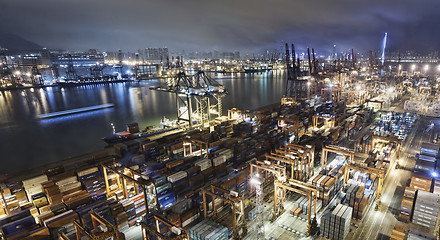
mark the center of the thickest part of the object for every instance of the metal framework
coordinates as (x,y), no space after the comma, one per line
(197,97)
(258,182)
(237,114)
(295,87)
(294,186)
(145,71)
(335,149)
(148,187)
(301,160)
(278,171)
(367,102)
(181,234)
(237,205)
(97,71)
(203,146)
(36,74)
(70,72)
(398,143)
(377,172)
(289,101)
(81,231)
(332,120)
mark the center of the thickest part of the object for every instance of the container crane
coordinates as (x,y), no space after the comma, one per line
(197,97)
(295,86)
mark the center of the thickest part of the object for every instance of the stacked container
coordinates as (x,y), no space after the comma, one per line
(336,224)
(208,230)
(426,209)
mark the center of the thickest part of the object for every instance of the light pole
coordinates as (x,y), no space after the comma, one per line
(258,181)
(426,68)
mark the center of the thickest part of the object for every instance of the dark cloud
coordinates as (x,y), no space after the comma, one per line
(226,24)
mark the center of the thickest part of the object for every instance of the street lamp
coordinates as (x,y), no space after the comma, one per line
(258,181)
(426,68)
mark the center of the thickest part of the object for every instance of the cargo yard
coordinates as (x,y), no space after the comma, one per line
(286,171)
(349,149)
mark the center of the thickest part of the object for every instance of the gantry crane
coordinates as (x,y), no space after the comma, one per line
(189,142)
(300,161)
(335,149)
(96,234)
(236,203)
(374,171)
(36,74)
(180,233)
(5,69)
(126,175)
(326,117)
(295,186)
(70,72)
(97,71)
(199,90)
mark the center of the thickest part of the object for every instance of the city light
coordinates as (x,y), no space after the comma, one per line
(434,174)
(256,180)
(17,73)
(426,68)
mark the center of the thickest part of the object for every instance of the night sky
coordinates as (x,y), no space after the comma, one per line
(244,25)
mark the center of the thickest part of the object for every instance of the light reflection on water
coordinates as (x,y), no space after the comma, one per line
(27,142)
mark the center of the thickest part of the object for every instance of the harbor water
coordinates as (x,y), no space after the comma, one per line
(28,142)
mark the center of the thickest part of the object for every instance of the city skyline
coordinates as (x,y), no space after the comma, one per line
(245,26)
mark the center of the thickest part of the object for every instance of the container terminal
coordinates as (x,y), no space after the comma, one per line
(334,159)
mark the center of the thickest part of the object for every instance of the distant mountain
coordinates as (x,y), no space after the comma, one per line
(17,44)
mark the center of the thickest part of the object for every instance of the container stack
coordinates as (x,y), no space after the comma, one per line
(417,235)
(139,204)
(296,211)
(52,192)
(421,182)
(120,216)
(34,191)
(407,204)
(15,197)
(130,211)
(426,209)
(92,181)
(303,204)
(398,233)
(69,185)
(22,224)
(208,230)
(336,224)
(436,188)
(62,223)
(326,186)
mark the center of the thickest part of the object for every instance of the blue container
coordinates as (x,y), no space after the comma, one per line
(17,226)
(164,192)
(89,176)
(165,197)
